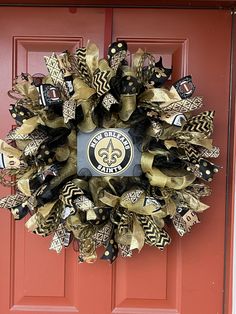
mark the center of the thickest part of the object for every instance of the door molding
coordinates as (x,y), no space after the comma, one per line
(209,4)
(230,226)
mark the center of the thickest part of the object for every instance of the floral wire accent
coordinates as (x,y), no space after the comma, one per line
(83,93)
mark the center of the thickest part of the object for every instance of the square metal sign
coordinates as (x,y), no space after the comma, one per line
(107,152)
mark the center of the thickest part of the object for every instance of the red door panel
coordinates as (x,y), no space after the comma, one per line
(34,279)
(187,278)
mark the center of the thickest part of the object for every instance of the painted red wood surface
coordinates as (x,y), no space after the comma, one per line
(218,4)
(187,278)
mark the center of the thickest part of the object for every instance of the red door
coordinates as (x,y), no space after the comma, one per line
(187,278)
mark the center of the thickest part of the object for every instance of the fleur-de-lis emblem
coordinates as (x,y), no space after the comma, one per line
(110,153)
(160,72)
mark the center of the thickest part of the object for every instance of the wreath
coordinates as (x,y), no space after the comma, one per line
(105,153)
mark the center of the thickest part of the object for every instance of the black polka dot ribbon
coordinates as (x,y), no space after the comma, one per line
(129,85)
(102,216)
(20,113)
(203,169)
(117,52)
(20,211)
(207,169)
(111,251)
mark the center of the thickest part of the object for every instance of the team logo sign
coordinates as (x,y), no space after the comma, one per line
(110,152)
(107,152)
